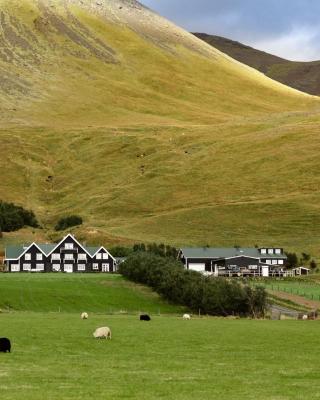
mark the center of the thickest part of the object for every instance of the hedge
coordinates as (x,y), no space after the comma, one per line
(209,295)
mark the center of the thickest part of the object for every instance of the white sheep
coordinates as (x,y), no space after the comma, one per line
(84,315)
(186,316)
(102,333)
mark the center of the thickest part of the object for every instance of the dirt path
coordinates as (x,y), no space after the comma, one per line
(302,301)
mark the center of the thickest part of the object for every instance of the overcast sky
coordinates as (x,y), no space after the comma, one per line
(287,28)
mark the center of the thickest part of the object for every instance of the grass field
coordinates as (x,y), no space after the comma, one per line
(305,288)
(55,356)
(76,293)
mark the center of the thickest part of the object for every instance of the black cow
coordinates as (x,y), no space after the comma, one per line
(5,345)
(145,317)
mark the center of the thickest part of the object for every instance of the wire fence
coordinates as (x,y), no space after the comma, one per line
(312,292)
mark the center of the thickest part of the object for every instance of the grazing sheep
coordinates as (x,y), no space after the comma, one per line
(145,317)
(186,316)
(84,315)
(102,333)
(305,317)
(5,345)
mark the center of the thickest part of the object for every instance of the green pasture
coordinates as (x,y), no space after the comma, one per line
(78,292)
(305,288)
(56,357)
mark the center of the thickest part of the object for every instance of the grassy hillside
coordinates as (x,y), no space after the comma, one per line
(78,293)
(149,133)
(304,76)
(55,356)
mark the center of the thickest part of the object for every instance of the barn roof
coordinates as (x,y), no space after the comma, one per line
(224,252)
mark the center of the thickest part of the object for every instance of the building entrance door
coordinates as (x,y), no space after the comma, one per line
(105,267)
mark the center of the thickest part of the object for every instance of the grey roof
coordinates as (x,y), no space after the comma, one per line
(211,252)
(14,251)
(92,250)
(46,248)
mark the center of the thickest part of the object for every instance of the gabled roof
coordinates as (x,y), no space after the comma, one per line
(101,248)
(211,252)
(65,238)
(15,252)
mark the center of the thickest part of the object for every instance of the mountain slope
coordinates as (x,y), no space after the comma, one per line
(304,76)
(113,113)
(80,62)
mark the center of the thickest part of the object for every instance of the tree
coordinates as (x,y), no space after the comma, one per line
(292,260)
(313,265)
(13,218)
(305,258)
(68,222)
(213,296)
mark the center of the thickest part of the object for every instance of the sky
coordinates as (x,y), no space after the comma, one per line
(287,28)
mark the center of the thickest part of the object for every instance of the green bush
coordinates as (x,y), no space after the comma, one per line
(68,222)
(212,296)
(13,218)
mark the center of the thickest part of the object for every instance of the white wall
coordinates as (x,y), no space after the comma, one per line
(197,267)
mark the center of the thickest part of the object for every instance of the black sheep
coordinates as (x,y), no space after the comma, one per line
(5,345)
(145,317)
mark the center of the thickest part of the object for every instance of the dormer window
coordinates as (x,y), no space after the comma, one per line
(278,251)
(270,251)
(263,251)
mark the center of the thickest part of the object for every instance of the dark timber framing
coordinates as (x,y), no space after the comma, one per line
(267,261)
(68,255)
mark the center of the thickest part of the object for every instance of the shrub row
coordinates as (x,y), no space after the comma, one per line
(212,296)
(13,218)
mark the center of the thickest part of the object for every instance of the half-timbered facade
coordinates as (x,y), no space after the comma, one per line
(235,261)
(68,255)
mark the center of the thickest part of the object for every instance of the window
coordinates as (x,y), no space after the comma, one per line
(253,267)
(99,256)
(81,267)
(270,251)
(280,262)
(68,257)
(26,267)
(40,267)
(15,267)
(278,251)
(268,261)
(105,256)
(263,251)
(39,256)
(27,256)
(55,256)
(69,246)
(82,256)
(56,267)
(274,262)
(95,266)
